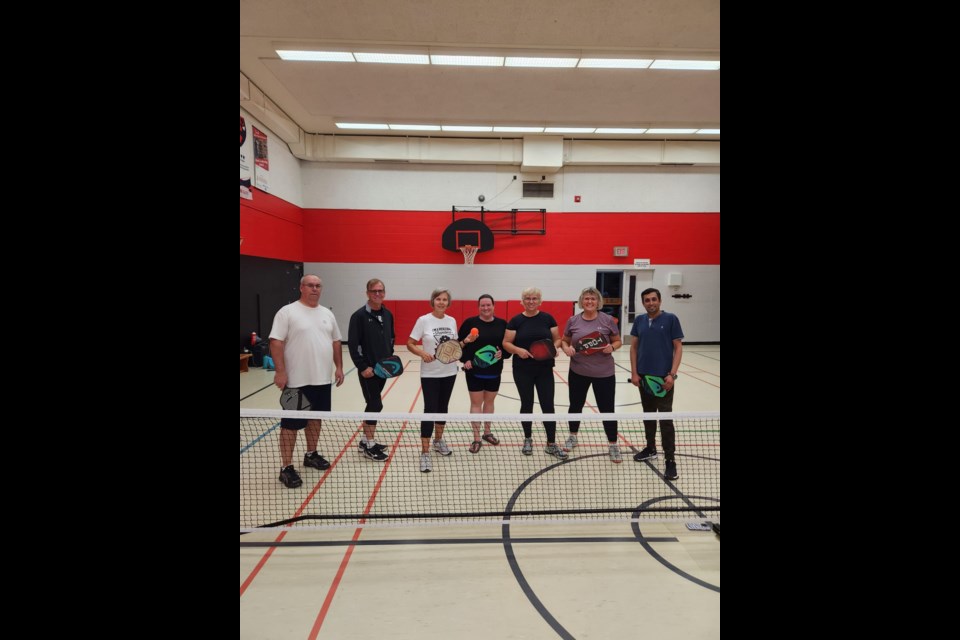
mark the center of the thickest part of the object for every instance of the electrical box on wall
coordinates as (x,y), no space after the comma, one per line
(674,279)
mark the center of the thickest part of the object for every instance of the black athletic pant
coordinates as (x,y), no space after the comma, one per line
(436,398)
(372,387)
(542,380)
(652,403)
(604,389)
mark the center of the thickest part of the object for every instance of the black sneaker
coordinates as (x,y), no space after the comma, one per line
(290,478)
(671,472)
(646,454)
(376,452)
(316,461)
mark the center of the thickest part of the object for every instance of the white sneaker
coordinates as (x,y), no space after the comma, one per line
(570,443)
(425,465)
(615,456)
(441,447)
(527,447)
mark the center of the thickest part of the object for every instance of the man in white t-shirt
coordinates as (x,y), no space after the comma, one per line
(305,346)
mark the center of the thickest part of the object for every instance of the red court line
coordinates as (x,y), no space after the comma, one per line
(322,614)
(299,511)
(306,501)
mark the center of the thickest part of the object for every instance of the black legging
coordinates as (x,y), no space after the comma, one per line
(652,403)
(372,387)
(542,379)
(436,397)
(605,390)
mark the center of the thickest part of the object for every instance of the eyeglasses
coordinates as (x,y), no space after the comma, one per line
(377,292)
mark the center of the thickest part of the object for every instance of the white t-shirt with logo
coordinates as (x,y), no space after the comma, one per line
(432,330)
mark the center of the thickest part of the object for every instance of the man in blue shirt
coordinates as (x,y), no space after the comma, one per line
(655,353)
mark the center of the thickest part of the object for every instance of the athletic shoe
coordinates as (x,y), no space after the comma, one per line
(646,454)
(290,478)
(315,460)
(376,452)
(554,450)
(671,472)
(615,456)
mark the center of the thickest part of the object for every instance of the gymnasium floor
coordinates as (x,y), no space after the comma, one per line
(523,580)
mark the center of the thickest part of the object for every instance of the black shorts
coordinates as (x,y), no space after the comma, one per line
(476,383)
(319,397)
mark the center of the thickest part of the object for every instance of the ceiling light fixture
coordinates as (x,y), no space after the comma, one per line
(695,65)
(614,63)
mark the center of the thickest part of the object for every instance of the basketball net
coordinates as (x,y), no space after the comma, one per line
(468,253)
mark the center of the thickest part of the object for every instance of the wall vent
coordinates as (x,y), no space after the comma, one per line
(537,189)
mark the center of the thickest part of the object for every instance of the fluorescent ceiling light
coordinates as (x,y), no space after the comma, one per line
(608,130)
(359,125)
(704,65)
(469,61)
(519,129)
(541,62)
(415,127)
(671,130)
(316,56)
(613,63)
(465,128)
(569,130)
(715,132)
(393,58)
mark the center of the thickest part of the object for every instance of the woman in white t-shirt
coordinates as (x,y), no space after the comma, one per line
(436,378)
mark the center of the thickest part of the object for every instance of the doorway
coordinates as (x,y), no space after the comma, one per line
(610,284)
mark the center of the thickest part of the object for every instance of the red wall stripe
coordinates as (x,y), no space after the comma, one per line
(271,228)
(357,235)
(406,312)
(274,228)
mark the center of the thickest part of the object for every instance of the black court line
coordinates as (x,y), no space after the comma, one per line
(255,392)
(445,541)
(656,556)
(518,573)
(538,606)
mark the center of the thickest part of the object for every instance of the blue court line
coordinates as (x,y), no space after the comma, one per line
(265,433)
(259,438)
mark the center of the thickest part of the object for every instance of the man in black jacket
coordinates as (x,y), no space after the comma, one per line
(371,338)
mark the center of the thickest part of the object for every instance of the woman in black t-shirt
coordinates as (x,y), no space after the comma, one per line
(523,330)
(483,364)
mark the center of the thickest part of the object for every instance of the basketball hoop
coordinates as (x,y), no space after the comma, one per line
(468,252)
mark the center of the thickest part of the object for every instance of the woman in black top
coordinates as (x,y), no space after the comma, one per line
(523,330)
(483,364)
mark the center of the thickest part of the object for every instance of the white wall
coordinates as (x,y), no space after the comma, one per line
(344,287)
(285,179)
(398,186)
(425,187)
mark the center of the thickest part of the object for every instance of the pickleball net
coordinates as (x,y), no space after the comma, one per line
(498,483)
